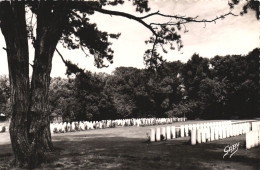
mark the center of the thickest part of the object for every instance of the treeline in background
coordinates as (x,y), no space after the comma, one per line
(223,87)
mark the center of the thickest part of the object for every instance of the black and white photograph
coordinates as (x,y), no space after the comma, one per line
(130,84)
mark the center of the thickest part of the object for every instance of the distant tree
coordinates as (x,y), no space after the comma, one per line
(62,98)
(213,98)
(145,93)
(126,87)
(186,108)
(164,87)
(195,70)
(89,92)
(241,77)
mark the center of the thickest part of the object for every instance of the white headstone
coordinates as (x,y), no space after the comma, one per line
(138,123)
(216,133)
(158,134)
(193,137)
(64,127)
(207,134)
(182,131)
(190,127)
(239,129)
(231,130)
(220,133)
(51,128)
(152,135)
(198,135)
(249,140)
(224,133)
(73,126)
(61,128)
(186,130)
(228,131)
(168,132)
(68,127)
(255,133)
(163,133)
(173,132)
(212,134)
(203,135)
(81,125)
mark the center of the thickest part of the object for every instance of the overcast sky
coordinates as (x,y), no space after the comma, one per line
(233,35)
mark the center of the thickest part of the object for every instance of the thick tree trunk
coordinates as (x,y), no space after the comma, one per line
(49,31)
(13,27)
(29,127)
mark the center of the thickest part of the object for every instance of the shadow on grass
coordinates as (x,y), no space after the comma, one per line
(134,153)
(95,152)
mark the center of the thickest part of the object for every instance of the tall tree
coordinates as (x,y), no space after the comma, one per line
(193,72)
(62,98)
(240,74)
(57,20)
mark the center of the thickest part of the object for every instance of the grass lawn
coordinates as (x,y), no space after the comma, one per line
(127,148)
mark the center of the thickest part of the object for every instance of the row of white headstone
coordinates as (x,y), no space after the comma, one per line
(171,132)
(2,129)
(87,125)
(253,137)
(162,133)
(156,121)
(210,131)
(218,132)
(70,127)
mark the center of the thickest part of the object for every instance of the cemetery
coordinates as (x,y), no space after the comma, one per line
(129,84)
(149,143)
(210,131)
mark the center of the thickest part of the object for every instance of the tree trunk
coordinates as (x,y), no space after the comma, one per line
(29,127)
(50,23)
(13,27)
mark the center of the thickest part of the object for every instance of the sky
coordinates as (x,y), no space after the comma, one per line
(233,35)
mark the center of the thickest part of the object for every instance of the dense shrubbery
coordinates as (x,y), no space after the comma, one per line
(221,87)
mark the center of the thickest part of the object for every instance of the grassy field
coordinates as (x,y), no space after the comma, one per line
(127,148)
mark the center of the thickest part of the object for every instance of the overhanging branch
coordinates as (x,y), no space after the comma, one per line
(185,20)
(163,32)
(126,15)
(182,19)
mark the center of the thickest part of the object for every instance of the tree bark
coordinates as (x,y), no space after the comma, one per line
(29,128)
(13,27)
(50,23)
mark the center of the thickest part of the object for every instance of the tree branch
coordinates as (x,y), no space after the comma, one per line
(186,20)
(126,15)
(82,48)
(155,13)
(61,56)
(167,16)
(162,34)
(71,68)
(140,19)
